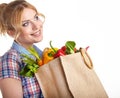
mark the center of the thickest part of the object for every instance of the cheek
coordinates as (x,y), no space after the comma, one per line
(23,35)
(25,32)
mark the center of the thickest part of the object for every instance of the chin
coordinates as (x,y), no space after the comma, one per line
(39,40)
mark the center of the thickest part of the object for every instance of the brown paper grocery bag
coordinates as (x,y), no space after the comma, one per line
(69,77)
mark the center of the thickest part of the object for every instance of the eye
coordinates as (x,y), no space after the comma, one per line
(36,17)
(25,24)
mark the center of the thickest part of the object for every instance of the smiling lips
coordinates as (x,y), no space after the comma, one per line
(38,33)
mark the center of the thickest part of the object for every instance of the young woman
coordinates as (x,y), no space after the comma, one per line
(20,20)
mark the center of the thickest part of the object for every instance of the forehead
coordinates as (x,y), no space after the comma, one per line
(27,14)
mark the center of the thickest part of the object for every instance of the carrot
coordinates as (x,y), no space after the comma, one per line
(40,62)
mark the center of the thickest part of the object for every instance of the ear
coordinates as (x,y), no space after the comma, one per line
(11,33)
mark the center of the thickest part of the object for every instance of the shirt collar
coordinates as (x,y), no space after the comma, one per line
(20,48)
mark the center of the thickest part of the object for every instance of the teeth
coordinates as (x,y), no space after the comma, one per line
(37,33)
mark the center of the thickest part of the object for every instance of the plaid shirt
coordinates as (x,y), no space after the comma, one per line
(11,64)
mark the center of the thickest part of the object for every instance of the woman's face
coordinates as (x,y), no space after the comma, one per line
(31,29)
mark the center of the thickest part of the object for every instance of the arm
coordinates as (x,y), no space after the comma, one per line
(11,88)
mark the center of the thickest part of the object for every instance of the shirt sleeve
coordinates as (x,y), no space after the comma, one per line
(9,66)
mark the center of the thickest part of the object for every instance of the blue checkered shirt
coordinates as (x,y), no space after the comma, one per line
(11,64)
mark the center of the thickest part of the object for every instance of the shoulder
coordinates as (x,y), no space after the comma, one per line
(11,54)
(9,65)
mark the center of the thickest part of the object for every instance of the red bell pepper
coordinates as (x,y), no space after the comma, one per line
(63,48)
(59,52)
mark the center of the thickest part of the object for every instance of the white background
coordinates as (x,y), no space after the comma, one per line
(94,23)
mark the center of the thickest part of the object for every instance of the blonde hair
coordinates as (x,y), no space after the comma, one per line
(10,15)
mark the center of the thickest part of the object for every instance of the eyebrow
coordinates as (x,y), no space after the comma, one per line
(28,19)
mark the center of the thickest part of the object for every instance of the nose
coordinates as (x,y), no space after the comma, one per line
(36,24)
